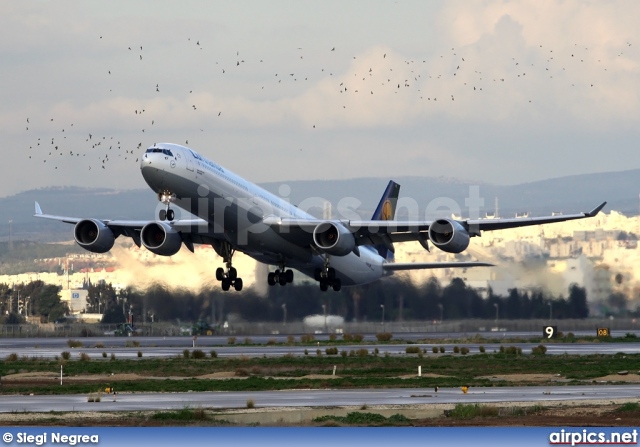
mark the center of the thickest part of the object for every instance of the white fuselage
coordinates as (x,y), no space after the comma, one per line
(236,210)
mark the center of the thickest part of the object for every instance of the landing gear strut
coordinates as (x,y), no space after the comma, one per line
(281,276)
(326,276)
(229,277)
(166,197)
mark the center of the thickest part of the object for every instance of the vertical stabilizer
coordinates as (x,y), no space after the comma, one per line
(386,210)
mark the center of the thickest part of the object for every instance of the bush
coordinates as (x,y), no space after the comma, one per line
(13,357)
(291,339)
(343,353)
(247,341)
(376,351)
(251,403)
(481,349)
(198,354)
(318,352)
(84,357)
(347,337)
(363,352)
(384,336)
(104,355)
(74,344)
(135,343)
(186,353)
(99,346)
(231,340)
(464,350)
(306,338)
(113,356)
(332,337)
(441,349)
(456,350)
(358,338)
(271,341)
(306,352)
(213,354)
(434,349)
(331,351)
(539,350)
(412,350)
(139,354)
(66,355)
(86,332)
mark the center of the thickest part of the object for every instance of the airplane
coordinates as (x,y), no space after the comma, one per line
(230,213)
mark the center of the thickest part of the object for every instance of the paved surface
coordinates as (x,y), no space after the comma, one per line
(315,398)
(174,346)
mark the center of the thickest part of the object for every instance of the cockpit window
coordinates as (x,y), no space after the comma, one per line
(155,150)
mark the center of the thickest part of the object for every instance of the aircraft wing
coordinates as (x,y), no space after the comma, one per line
(432,265)
(131,228)
(388,231)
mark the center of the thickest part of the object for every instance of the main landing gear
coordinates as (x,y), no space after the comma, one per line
(229,277)
(166,197)
(281,276)
(326,276)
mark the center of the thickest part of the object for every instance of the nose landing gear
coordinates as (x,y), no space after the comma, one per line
(166,197)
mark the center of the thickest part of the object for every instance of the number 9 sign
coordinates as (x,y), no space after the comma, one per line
(549,331)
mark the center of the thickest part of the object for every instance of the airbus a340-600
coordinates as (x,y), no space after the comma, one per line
(230,213)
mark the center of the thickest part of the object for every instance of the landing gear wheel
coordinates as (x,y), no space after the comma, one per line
(271,279)
(171,215)
(323,285)
(331,273)
(162,215)
(219,273)
(226,284)
(289,275)
(237,284)
(282,279)
(337,285)
(233,273)
(317,274)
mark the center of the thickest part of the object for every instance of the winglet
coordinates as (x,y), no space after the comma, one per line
(596,210)
(38,209)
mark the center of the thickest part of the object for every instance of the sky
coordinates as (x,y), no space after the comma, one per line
(501,92)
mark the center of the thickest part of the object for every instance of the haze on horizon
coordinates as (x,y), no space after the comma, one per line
(497,92)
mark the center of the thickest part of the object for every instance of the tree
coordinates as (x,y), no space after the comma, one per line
(578,302)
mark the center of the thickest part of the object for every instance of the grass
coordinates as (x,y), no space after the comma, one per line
(185,414)
(469,411)
(355,371)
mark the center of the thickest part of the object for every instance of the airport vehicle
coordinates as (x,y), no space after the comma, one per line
(201,327)
(123,330)
(231,213)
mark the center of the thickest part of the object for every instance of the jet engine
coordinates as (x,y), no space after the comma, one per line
(334,239)
(160,238)
(449,235)
(93,235)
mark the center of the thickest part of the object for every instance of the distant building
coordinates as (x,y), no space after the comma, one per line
(76,299)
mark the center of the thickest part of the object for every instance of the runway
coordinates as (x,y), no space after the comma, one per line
(316,398)
(165,347)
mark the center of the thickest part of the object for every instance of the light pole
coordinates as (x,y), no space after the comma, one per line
(284,314)
(441,307)
(324,311)
(497,310)
(382,322)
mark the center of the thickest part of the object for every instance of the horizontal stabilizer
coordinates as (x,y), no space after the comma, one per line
(433,265)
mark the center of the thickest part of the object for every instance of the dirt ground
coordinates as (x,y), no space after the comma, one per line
(553,413)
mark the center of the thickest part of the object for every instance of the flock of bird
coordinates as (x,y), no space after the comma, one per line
(425,80)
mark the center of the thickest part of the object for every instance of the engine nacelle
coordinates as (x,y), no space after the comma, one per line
(93,235)
(334,239)
(160,238)
(449,235)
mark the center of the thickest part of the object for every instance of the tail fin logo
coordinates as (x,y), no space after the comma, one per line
(387,211)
